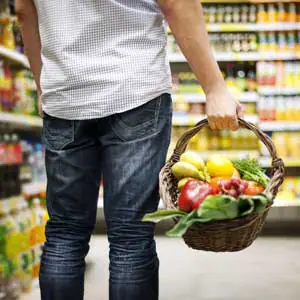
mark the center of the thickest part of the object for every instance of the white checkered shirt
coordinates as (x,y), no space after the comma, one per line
(101,57)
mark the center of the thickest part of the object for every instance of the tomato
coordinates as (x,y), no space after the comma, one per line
(214,183)
(253,189)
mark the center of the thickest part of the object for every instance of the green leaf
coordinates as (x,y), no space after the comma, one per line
(257,203)
(182,226)
(219,207)
(160,215)
(260,203)
(246,206)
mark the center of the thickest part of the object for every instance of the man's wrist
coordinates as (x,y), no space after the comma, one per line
(216,87)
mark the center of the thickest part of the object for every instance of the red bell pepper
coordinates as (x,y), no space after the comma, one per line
(193,194)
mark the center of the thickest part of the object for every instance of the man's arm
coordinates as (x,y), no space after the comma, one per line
(186,20)
(27,15)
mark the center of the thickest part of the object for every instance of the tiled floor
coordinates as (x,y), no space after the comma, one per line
(269,270)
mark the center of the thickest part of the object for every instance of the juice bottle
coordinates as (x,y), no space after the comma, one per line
(253,46)
(272,14)
(280,111)
(251,81)
(261,14)
(236,14)
(245,14)
(262,42)
(228,14)
(292,13)
(272,45)
(281,14)
(252,14)
(220,13)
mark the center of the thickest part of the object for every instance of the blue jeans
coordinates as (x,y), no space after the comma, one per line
(128,150)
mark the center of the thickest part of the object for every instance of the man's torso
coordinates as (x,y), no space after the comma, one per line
(101,57)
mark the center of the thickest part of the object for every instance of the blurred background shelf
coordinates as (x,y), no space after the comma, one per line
(21,120)
(200,98)
(249,56)
(280,126)
(240,27)
(278,91)
(191,120)
(14,57)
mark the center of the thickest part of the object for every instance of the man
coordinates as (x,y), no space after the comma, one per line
(101,69)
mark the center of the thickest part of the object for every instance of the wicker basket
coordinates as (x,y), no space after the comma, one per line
(220,236)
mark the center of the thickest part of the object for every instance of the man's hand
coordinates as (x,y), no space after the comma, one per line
(222,109)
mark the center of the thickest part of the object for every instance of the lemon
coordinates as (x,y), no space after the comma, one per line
(219,166)
(194,159)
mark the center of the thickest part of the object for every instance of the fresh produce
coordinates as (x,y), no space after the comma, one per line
(233,187)
(183,169)
(219,190)
(194,159)
(218,165)
(193,194)
(253,188)
(213,208)
(251,170)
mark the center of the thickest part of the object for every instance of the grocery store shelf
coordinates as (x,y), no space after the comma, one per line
(247,56)
(22,120)
(288,161)
(278,91)
(280,125)
(14,56)
(253,27)
(191,120)
(230,154)
(200,98)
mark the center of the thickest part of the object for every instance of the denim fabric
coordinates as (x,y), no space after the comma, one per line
(128,150)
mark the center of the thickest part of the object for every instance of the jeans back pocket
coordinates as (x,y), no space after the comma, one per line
(139,122)
(57,133)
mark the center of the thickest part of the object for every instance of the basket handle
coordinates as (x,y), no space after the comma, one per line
(277,163)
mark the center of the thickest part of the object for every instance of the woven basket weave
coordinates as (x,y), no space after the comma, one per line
(220,236)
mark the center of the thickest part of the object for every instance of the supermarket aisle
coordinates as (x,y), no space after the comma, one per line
(269,270)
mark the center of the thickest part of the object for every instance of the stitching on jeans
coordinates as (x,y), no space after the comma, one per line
(60,148)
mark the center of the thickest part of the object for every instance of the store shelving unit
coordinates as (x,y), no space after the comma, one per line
(21,120)
(200,98)
(249,56)
(14,57)
(250,27)
(280,126)
(190,120)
